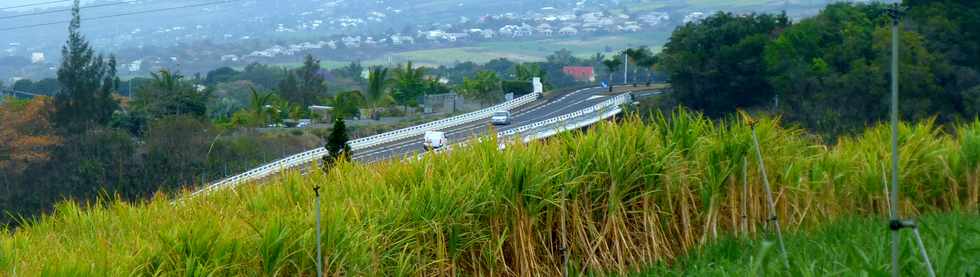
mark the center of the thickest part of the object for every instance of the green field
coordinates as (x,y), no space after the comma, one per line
(519,51)
(629,195)
(528,51)
(846,247)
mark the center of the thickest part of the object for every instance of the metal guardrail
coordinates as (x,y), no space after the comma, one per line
(318,153)
(552,126)
(395,135)
(537,130)
(614,102)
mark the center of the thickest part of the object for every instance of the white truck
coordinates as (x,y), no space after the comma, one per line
(434,140)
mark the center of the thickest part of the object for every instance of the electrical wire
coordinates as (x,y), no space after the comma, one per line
(120,15)
(35,4)
(65,10)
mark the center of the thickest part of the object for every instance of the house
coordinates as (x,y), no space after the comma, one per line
(135,66)
(544,28)
(351,42)
(655,18)
(568,31)
(580,73)
(508,30)
(399,40)
(632,27)
(488,34)
(37,58)
(524,31)
(227,58)
(693,17)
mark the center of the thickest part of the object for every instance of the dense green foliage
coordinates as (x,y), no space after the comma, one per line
(87,83)
(715,65)
(629,195)
(845,247)
(830,73)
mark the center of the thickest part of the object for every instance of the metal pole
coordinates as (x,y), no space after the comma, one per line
(319,256)
(772,204)
(922,251)
(893,195)
(626,68)
(564,238)
(745,195)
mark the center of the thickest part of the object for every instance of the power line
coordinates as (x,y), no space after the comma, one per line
(119,15)
(35,4)
(65,10)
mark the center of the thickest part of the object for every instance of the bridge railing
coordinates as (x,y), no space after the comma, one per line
(441,124)
(318,153)
(526,130)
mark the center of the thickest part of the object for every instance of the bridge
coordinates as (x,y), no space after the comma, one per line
(17,94)
(534,116)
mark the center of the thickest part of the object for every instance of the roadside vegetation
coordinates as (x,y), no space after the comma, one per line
(628,196)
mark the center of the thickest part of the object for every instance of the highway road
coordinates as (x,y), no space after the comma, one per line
(544,109)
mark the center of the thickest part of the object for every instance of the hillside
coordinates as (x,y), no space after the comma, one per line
(629,195)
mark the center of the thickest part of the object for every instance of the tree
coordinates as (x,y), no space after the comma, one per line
(221,75)
(408,85)
(562,57)
(716,65)
(527,72)
(85,99)
(336,145)
(24,85)
(611,66)
(169,94)
(26,135)
(312,85)
(838,84)
(377,88)
(289,88)
(635,57)
(485,87)
(266,77)
(647,63)
(348,104)
(258,109)
(501,66)
(353,71)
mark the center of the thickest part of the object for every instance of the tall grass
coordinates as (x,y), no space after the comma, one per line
(629,195)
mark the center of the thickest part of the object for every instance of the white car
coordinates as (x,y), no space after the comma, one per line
(500,118)
(434,140)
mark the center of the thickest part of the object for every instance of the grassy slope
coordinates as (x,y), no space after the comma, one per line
(849,247)
(634,194)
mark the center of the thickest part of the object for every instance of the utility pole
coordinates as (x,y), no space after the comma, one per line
(626,68)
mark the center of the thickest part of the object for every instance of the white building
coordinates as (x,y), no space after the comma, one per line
(135,66)
(229,58)
(693,17)
(568,31)
(37,58)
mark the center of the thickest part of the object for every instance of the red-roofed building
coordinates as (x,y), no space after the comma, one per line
(580,73)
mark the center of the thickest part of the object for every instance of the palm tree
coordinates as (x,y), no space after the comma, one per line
(376,90)
(258,103)
(611,66)
(648,63)
(635,56)
(408,84)
(485,87)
